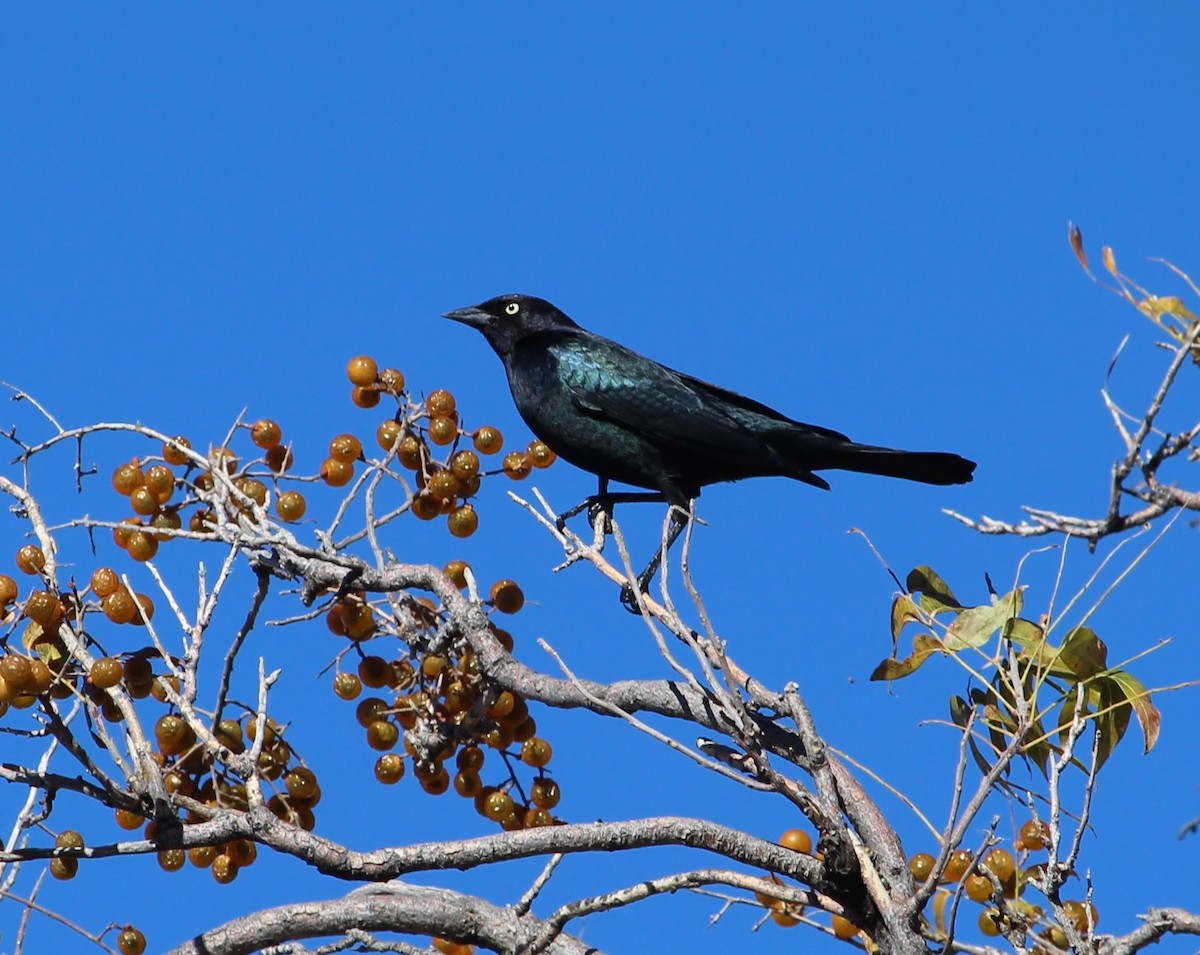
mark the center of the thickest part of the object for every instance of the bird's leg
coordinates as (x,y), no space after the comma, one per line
(679,520)
(603,502)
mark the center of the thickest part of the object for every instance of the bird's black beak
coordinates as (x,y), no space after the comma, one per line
(475,317)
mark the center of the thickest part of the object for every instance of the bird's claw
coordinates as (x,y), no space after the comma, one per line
(598,513)
(629,600)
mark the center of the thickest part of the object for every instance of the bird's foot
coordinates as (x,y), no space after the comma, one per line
(600,518)
(629,600)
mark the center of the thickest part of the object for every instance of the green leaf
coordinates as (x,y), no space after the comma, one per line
(1084,653)
(1041,750)
(974,626)
(1112,719)
(1025,633)
(936,595)
(1148,716)
(960,713)
(1049,659)
(924,646)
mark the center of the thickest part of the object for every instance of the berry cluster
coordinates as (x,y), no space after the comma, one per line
(444,485)
(437,706)
(434,715)
(1002,875)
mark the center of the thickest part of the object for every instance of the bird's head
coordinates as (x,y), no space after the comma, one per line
(506,319)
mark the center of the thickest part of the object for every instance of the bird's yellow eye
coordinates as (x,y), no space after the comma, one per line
(512,308)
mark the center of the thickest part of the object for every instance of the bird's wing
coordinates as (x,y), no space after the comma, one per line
(754,412)
(608,381)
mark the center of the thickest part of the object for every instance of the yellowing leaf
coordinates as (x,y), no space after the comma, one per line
(1148,716)
(924,646)
(1084,652)
(904,612)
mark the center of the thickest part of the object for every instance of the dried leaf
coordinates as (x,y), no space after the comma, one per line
(924,646)
(1110,260)
(941,899)
(1076,237)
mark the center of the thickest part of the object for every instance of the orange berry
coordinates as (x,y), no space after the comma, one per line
(497,805)
(345,447)
(362,371)
(442,429)
(119,606)
(388,433)
(843,928)
(392,380)
(266,433)
(253,489)
(441,404)
(517,465)
(389,768)
(463,521)
(536,752)
(44,609)
(365,397)
(161,480)
(989,923)
(921,865)
(507,596)
(540,456)
(279,458)
(142,547)
(426,507)
(1034,835)
(488,440)
(106,672)
(30,559)
(1001,862)
(545,793)
(336,473)
(290,505)
(174,453)
(131,941)
(382,734)
(128,478)
(456,571)
(957,866)
(978,887)
(411,452)
(797,840)
(347,686)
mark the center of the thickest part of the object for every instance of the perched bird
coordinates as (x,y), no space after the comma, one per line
(623,417)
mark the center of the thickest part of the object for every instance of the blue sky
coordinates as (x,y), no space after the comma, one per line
(856,214)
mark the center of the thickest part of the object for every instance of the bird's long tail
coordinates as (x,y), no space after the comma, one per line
(928,467)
